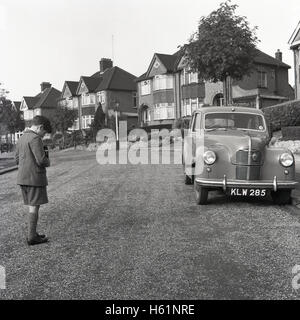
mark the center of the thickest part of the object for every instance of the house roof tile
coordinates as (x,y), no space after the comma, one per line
(116,78)
(266,59)
(30,101)
(45,99)
(91,82)
(72,85)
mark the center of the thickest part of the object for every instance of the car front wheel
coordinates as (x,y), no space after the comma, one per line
(281,197)
(201,194)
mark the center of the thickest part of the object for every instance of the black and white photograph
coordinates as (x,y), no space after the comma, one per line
(149,152)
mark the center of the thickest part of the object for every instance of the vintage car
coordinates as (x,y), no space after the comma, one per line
(227,148)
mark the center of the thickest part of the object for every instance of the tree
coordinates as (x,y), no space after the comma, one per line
(98,122)
(11,120)
(223,48)
(63,119)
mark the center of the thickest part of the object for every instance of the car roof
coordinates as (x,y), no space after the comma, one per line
(229,109)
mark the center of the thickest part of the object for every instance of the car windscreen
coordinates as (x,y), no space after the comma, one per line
(235,120)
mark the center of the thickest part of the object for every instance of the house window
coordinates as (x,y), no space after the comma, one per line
(188,77)
(75,103)
(193,77)
(101,97)
(86,121)
(92,99)
(28,114)
(145,87)
(194,104)
(75,125)
(163,82)
(186,109)
(69,102)
(262,79)
(85,99)
(188,106)
(164,111)
(134,95)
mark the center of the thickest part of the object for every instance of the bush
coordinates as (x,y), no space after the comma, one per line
(182,123)
(283,115)
(290,133)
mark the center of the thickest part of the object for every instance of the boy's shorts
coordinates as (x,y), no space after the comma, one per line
(34,196)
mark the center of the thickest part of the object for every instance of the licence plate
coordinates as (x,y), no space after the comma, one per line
(247,192)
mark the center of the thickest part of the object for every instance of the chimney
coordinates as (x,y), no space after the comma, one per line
(278,55)
(105,64)
(45,85)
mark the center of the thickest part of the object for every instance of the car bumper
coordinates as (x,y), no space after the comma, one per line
(225,183)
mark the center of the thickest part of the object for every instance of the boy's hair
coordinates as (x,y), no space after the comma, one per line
(41,120)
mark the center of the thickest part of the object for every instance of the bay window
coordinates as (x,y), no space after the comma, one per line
(188,106)
(188,77)
(164,111)
(163,82)
(87,99)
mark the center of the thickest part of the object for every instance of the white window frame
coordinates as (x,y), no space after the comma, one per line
(189,77)
(164,111)
(145,87)
(163,82)
(85,99)
(86,121)
(101,97)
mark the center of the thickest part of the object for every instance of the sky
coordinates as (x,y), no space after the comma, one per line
(59,40)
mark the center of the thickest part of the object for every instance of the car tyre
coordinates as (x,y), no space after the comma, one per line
(281,197)
(201,194)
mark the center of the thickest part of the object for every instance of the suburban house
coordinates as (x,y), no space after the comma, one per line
(294,43)
(112,87)
(70,100)
(43,104)
(169,90)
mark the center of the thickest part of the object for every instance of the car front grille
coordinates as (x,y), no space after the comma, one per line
(248,165)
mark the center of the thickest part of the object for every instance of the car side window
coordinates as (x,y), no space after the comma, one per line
(197,123)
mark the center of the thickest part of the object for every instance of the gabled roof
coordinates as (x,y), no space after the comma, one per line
(116,78)
(30,101)
(264,58)
(72,85)
(295,37)
(48,98)
(17,104)
(168,60)
(45,99)
(91,82)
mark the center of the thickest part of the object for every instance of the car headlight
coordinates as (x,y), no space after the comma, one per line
(209,157)
(286,159)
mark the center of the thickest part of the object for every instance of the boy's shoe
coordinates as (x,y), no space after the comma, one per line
(37,240)
(41,235)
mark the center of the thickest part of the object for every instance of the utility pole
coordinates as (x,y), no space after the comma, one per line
(117,125)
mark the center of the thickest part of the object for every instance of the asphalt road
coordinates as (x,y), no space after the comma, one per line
(135,232)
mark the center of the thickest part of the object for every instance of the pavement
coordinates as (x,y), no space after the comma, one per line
(7,162)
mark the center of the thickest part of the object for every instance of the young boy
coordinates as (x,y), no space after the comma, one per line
(32,178)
